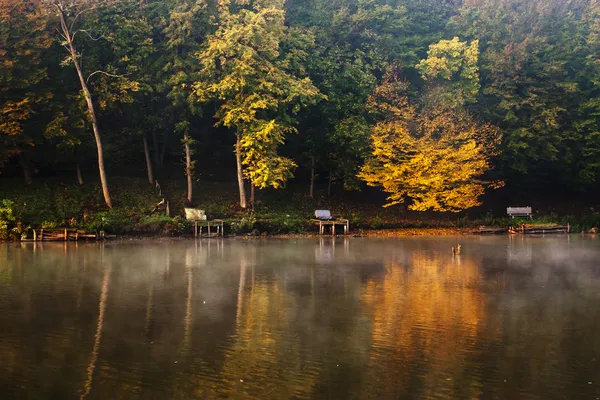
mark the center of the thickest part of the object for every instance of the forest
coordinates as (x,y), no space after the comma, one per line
(441,105)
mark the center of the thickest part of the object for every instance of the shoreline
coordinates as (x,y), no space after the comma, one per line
(359,233)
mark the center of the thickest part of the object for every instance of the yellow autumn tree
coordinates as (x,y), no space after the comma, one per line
(433,157)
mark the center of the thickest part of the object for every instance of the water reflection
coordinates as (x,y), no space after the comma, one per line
(323,318)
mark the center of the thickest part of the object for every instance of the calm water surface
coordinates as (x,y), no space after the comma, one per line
(510,318)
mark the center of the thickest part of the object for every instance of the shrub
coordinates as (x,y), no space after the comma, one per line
(8,220)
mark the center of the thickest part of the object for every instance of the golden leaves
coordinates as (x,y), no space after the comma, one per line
(434,157)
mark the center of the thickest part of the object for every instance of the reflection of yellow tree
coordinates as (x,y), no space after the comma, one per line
(425,318)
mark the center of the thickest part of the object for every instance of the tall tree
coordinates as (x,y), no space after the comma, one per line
(186,30)
(24,41)
(245,71)
(452,72)
(533,58)
(69,13)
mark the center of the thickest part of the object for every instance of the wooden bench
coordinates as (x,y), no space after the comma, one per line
(198,217)
(324,218)
(519,212)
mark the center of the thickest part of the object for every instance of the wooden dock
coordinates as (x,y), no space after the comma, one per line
(490,230)
(64,235)
(540,229)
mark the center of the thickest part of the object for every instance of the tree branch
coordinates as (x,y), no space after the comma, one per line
(87,33)
(104,73)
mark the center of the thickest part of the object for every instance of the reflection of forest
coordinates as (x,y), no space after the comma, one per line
(330,318)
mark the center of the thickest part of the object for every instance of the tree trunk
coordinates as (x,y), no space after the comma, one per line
(163,150)
(25,167)
(312,178)
(90,104)
(329,184)
(252,194)
(240,176)
(188,167)
(77,166)
(79,177)
(148,160)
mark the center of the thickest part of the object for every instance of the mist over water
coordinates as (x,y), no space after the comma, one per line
(344,318)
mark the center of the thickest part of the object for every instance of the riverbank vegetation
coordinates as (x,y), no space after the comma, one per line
(136,211)
(268,109)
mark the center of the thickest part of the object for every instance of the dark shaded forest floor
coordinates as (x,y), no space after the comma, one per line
(53,203)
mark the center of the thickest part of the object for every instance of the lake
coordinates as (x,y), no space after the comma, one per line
(345,318)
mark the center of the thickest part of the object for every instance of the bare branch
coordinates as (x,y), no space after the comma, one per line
(104,73)
(61,35)
(79,14)
(87,33)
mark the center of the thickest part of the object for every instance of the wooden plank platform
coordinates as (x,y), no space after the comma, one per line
(540,229)
(63,235)
(490,230)
(323,223)
(218,223)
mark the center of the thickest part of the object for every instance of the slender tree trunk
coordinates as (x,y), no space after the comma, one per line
(188,166)
(329,184)
(79,176)
(252,194)
(240,176)
(312,178)
(25,167)
(77,167)
(90,104)
(148,160)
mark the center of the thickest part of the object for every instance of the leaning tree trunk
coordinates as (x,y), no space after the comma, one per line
(78,167)
(79,176)
(188,167)
(148,160)
(25,167)
(90,104)
(240,176)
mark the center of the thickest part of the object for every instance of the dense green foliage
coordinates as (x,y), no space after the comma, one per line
(287,84)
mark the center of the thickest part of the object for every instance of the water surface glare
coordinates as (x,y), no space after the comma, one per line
(345,318)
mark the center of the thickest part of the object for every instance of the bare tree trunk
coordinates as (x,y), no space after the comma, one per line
(148,160)
(329,184)
(77,166)
(163,150)
(188,166)
(240,176)
(79,177)
(252,194)
(90,104)
(25,167)
(312,178)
